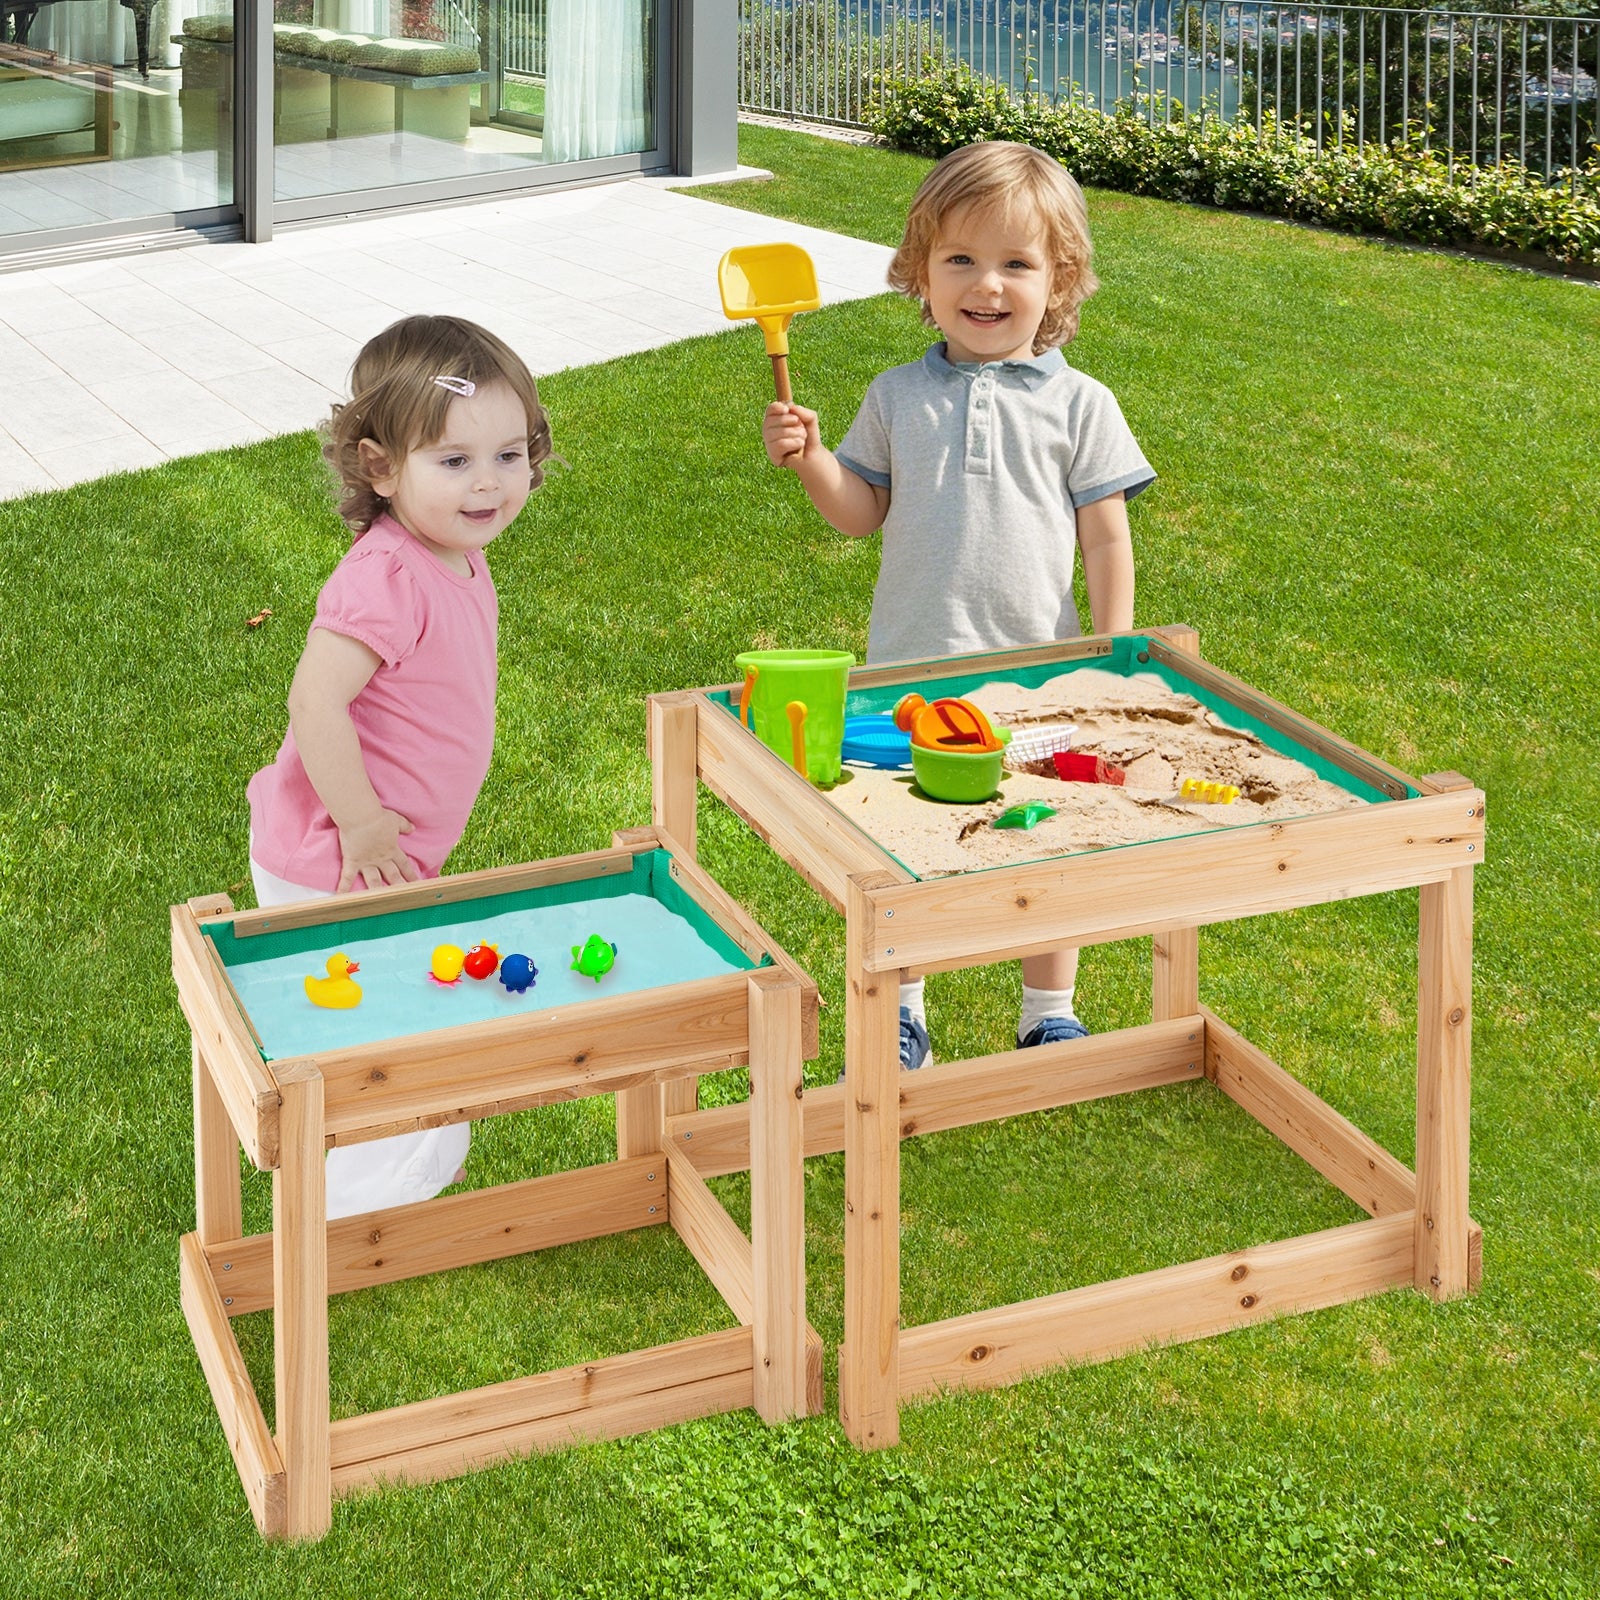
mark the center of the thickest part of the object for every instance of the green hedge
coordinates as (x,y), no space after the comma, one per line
(1405,192)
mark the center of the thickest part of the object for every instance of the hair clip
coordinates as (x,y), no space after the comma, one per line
(461,386)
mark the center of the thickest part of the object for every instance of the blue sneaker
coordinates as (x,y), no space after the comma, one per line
(913,1041)
(1053,1030)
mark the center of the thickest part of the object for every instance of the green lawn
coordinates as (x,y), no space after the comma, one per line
(1377,502)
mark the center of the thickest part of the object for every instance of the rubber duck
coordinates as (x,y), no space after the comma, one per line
(481,960)
(446,967)
(517,974)
(338,991)
(595,959)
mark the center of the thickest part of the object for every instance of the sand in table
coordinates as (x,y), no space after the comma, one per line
(1158,735)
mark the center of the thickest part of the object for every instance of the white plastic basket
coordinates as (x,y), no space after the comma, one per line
(1038,743)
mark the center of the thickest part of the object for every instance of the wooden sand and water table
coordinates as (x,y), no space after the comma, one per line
(932,888)
(697,987)
(922,886)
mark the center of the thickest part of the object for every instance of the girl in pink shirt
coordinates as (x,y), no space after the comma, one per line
(391,712)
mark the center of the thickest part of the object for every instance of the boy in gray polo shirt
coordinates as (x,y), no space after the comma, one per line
(988,463)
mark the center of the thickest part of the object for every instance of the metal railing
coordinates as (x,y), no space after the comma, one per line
(1476,88)
(521,25)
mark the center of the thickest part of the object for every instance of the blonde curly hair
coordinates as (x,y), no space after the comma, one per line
(395,403)
(999,178)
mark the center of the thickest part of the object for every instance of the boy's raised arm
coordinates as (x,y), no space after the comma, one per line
(847,502)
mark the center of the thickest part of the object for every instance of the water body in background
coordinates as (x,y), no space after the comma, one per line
(1109,52)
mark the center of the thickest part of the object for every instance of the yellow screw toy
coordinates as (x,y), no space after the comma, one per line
(1212,794)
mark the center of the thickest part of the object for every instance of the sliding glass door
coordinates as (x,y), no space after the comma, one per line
(374,96)
(101,127)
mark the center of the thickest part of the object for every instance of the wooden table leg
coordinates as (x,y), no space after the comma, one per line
(777,1195)
(1175,974)
(674,806)
(1175,954)
(869,1360)
(218,1206)
(1444,1083)
(300,1304)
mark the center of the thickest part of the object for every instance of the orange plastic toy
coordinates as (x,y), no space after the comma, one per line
(945,725)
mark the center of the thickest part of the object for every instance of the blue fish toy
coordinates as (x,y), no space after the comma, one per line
(595,959)
(517,974)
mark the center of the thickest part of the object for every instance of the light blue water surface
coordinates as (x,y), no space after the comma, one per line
(655,947)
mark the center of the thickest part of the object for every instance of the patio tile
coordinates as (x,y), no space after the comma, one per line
(168,407)
(20,472)
(98,353)
(59,415)
(200,348)
(125,453)
(325,357)
(217,344)
(277,397)
(202,443)
(35,307)
(137,308)
(253,315)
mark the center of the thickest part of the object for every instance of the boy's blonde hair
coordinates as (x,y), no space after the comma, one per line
(1002,178)
(395,402)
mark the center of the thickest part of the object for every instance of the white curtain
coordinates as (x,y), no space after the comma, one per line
(356,16)
(595,83)
(101,32)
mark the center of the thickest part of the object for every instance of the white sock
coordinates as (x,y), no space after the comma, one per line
(1037,1004)
(911,999)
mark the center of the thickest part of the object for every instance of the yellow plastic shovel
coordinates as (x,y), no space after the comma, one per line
(769,282)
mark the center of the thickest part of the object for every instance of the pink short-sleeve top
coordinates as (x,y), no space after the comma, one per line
(425,718)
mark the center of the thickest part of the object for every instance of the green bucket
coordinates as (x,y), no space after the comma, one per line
(794,702)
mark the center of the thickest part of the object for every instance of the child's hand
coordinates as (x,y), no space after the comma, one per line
(789,433)
(371,855)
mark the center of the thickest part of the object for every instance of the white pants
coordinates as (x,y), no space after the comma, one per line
(382,1172)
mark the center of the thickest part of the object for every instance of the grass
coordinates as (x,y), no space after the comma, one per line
(1376,503)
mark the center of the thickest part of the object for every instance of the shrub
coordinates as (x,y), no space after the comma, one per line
(1400,190)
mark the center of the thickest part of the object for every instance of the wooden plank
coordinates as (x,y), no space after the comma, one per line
(1340,1151)
(777,1195)
(434,891)
(300,1307)
(615,1082)
(1165,883)
(218,1202)
(674,789)
(1444,1084)
(713,1237)
(911,673)
(1175,952)
(754,940)
(606,1399)
(243,1424)
(869,1380)
(247,1087)
(594,1047)
(459,1230)
(954,1094)
(639,1131)
(989,1348)
(815,838)
(1344,755)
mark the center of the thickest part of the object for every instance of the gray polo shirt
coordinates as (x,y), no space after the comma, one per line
(985,470)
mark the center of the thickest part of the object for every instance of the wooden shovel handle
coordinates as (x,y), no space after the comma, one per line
(780,379)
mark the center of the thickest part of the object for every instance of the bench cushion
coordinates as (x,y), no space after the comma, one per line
(38,107)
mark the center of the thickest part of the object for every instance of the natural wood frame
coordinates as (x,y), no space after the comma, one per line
(286,1113)
(1418,1231)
